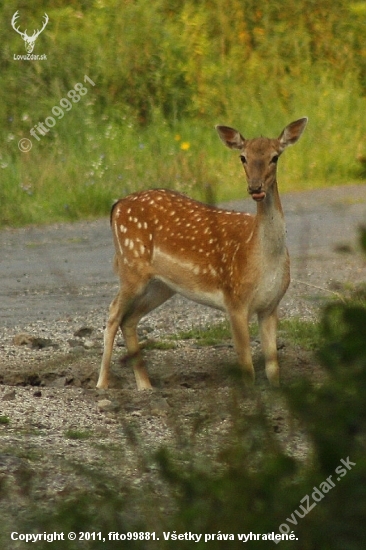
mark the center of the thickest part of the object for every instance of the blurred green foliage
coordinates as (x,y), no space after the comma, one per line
(165,72)
(179,57)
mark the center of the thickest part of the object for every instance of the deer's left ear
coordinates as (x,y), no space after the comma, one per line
(292,132)
(231,137)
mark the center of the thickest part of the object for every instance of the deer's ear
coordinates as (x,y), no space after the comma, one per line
(231,137)
(292,132)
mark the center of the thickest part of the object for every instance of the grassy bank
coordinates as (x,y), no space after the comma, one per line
(83,164)
(154,79)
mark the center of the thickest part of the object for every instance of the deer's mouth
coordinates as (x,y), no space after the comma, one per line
(258,197)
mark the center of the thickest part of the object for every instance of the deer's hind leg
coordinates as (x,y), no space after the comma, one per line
(116,311)
(154,294)
(125,311)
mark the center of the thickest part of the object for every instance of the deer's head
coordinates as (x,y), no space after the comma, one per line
(259,156)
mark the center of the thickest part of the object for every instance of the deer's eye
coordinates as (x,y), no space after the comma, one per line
(274,159)
(243,159)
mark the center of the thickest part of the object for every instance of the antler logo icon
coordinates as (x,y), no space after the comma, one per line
(29,40)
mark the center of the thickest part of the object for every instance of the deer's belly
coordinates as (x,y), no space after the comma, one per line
(194,282)
(212,298)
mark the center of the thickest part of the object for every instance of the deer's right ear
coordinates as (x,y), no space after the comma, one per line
(231,137)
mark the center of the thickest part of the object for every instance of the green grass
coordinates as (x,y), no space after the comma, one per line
(164,74)
(80,168)
(78,434)
(303,333)
(4,420)
(209,335)
(28,453)
(353,294)
(158,345)
(296,331)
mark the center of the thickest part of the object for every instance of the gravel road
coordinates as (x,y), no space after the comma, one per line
(51,272)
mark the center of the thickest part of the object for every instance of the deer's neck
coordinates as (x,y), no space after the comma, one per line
(271,224)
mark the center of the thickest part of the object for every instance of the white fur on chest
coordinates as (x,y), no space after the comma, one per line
(274,265)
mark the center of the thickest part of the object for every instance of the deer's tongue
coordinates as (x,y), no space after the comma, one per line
(258,196)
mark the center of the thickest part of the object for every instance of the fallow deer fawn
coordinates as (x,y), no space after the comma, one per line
(166,243)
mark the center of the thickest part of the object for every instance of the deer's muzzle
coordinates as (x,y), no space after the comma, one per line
(257,193)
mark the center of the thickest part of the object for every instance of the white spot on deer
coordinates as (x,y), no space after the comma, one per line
(249,238)
(131,245)
(123,229)
(118,241)
(129,211)
(127,242)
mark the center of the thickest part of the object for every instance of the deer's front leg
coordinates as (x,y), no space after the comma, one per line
(240,330)
(268,334)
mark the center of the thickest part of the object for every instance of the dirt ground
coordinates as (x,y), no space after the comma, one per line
(56,285)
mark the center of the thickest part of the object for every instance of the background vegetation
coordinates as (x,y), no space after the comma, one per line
(165,73)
